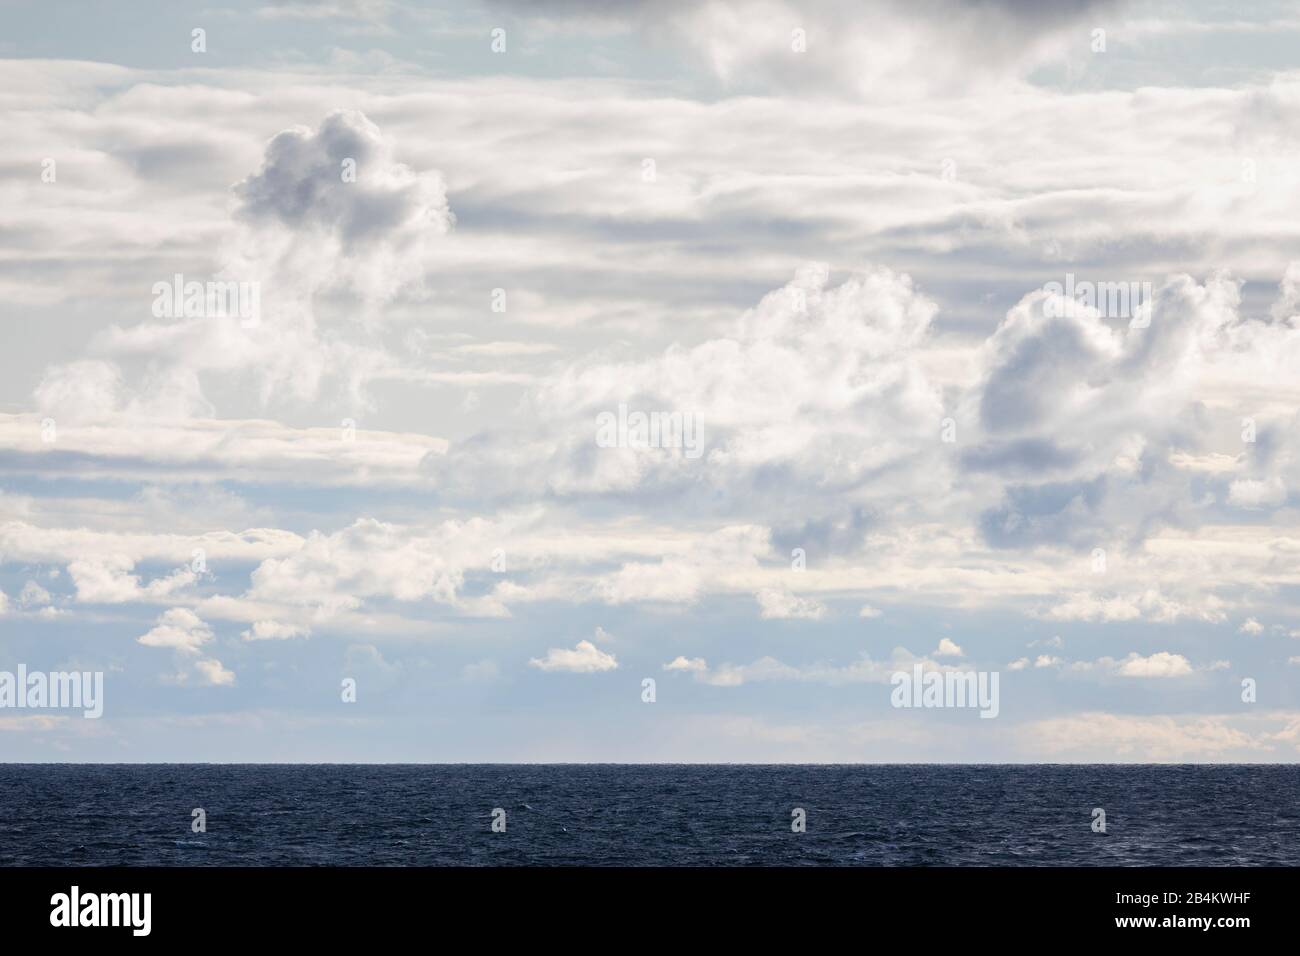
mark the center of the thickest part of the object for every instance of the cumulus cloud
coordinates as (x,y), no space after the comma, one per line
(948,648)
(819,383)
(1041,661)
(180,629)
(1148,604)
(857,417)
(330,211)
(1096,429)
(371,558)
(107,579)
(584,658)
(185,633)
(1160,664)
(782,605)
(211,671)
(306,184)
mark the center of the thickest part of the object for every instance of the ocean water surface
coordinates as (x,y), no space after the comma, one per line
(648,815)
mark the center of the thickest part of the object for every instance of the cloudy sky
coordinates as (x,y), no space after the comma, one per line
(832,236)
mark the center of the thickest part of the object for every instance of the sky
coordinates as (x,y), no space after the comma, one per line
(393,504)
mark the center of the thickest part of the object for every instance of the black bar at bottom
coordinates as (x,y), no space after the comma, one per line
(334,905)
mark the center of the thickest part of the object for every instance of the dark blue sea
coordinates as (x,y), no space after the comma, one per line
(648,815)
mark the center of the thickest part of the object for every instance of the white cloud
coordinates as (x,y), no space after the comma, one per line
(948,648)
(584,658)
(1253,493)
(373,558)
(1159,664)
(780,604)
(273,631)
(212,672)
(180,629)
(107,580)
(1149,605)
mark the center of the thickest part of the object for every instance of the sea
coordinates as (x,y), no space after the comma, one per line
(648,815)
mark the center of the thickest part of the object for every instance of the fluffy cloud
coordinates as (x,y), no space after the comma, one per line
(185,633)
(107,580)
(333,573)
(818,383)
(180,629)
(211,671)
(330,212)
(1160,664)
(341,185)
(782,605)
(584,658)
(688,664)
